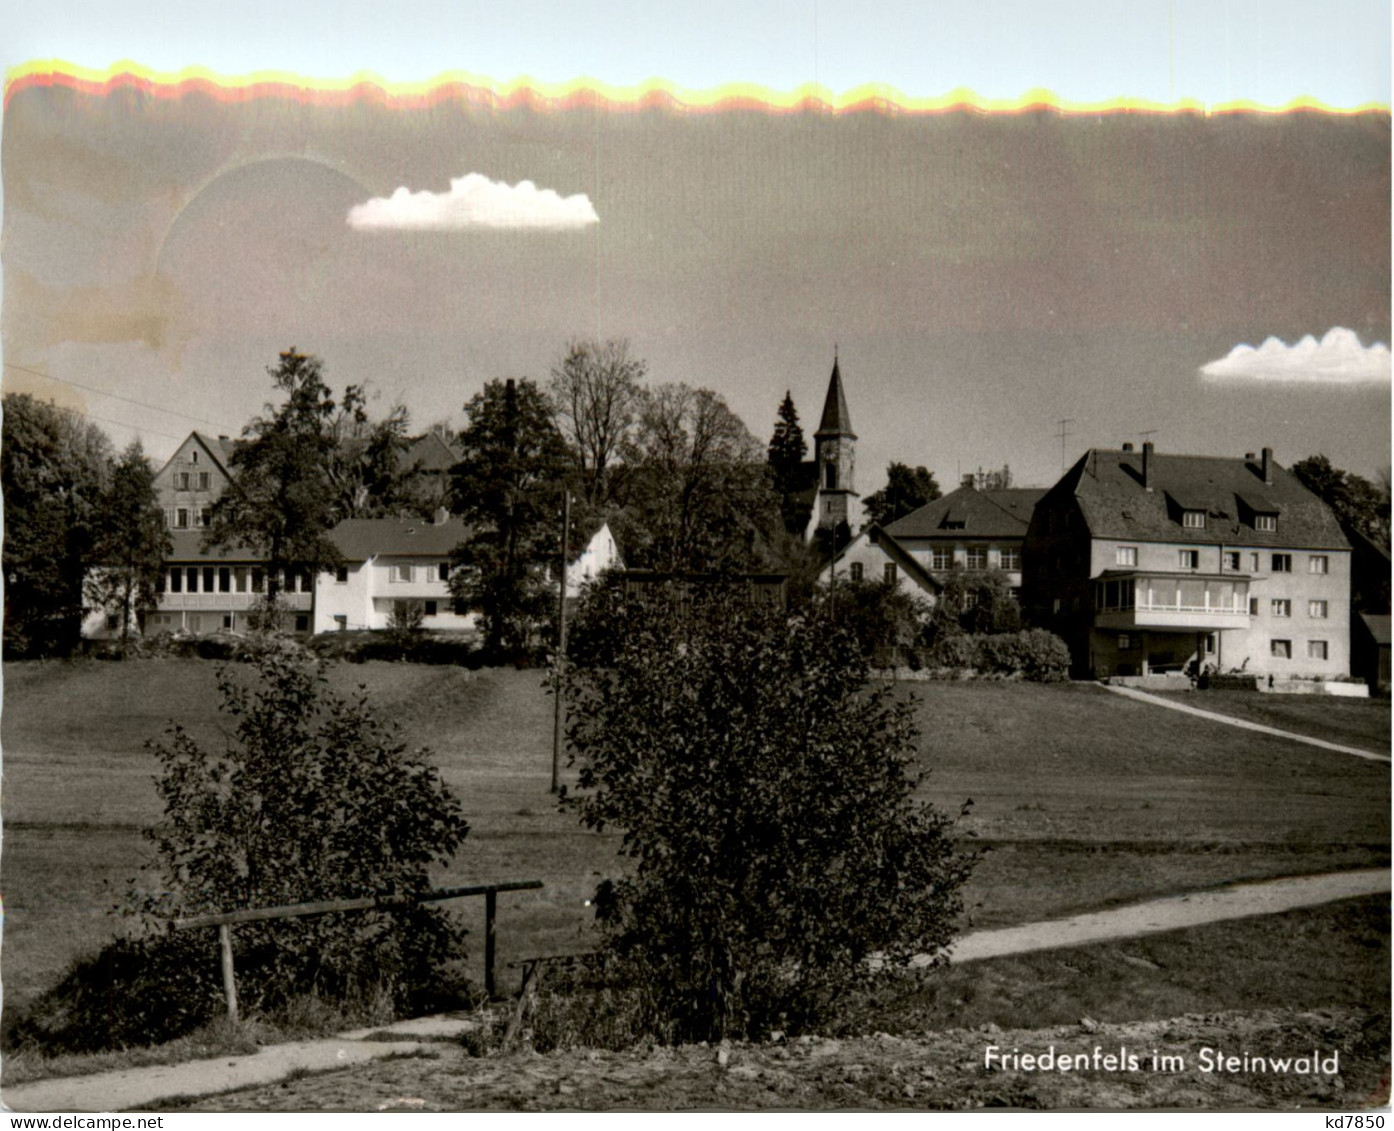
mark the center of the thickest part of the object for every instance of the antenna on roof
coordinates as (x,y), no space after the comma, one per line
(1063,434)
(1149,432)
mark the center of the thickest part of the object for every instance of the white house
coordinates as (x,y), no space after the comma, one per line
(600,553)
(874,555)
(389,562)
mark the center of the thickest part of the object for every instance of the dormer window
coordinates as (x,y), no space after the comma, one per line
(1193,520)
(1267,523)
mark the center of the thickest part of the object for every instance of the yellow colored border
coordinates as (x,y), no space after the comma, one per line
(456,86)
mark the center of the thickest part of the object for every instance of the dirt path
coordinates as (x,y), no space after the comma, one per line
(144,1087)
(1244,724)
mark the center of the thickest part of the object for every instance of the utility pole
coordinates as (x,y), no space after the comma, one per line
(1063,434)
(559,668)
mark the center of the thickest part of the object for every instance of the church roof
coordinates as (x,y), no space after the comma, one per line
(836,421)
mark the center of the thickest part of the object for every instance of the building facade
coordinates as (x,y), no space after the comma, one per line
(1146,562)
(970,529)
(192,479)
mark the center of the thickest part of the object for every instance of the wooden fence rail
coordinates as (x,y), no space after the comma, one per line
(226,920)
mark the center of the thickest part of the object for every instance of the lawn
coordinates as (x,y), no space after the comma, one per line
(1362,723)
(1080,798)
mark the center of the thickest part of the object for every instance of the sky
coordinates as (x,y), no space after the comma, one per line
(1215,279)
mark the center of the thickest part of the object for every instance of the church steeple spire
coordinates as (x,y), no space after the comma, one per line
(836,420)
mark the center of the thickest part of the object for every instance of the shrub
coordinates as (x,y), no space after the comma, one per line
(311,800)
(765,792)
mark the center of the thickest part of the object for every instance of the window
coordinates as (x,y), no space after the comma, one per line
(1266,522)
(1280,607)
(443,571)
(225,581)
(193,579)
(830,476)
(1009,557)
(1126,555)
(112,621)
(1282,563)
(205,516)
(341,622)
(1316,649)
(1188,559)
(1316,609)
(302,623)
(227,620)
(1281,649)
(341,575)
(1253,606)
(889,573)
(239,575)
(1209,643)
(430,608)
(942,557)
(307,582)
(1231,561)
(855,571)
(205,481)
(401,573)
(176,580)
(1253,563)
(181,518)
(193,457)
(208,576)
(1193,520)
(977,557)
(288,582)
(1125,642)
(258,581)
(181,480)
(1318,563)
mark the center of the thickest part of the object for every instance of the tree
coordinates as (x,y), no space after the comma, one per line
(132,543)
(595,391)
(364,464)
(974,602)
(785,456)
(280,502)
(905,491)
(1357,503)
(54,466)
(765,794)
(508,485)
(699,497)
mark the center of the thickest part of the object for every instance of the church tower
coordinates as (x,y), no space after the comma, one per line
(834,455)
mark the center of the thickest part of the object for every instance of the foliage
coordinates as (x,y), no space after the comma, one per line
(595,391)
(364,466)
(765,793)
(404,622)
(1032,654)
(886,620)
(508,484)
(786,454)
(280,503)
(974,601)
(132,543)
(699,497)
(906,490)
(54,466)
(313,799)
(1358,504)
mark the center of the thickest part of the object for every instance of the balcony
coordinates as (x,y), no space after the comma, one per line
(235,602)
(1180,602)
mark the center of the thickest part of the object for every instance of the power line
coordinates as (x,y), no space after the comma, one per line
(115,396)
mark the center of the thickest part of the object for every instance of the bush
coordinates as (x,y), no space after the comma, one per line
(311,800)
(765,792)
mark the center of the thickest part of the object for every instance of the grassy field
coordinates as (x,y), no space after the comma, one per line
(1080,798)
(1362,723)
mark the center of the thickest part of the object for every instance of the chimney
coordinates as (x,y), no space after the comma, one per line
(1268,465)
(1147,464)
(1127,446)
(222,436)
(1249,457)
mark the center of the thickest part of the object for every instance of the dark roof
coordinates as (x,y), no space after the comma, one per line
(984,514)
(1108,487)
(431,453)
(361,538)
(186,546)
(836,420)
(1378,626)
(220,448)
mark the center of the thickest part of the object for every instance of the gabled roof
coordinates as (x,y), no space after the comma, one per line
(430,453)
(361,538)
(1108,486)
(836,420)
(879,537)
(1004,513)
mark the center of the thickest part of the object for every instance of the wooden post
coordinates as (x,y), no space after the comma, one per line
(560,666)
(229,978)
(491,907)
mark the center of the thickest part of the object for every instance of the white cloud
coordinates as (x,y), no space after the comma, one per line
(474,201)
(1338,359)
